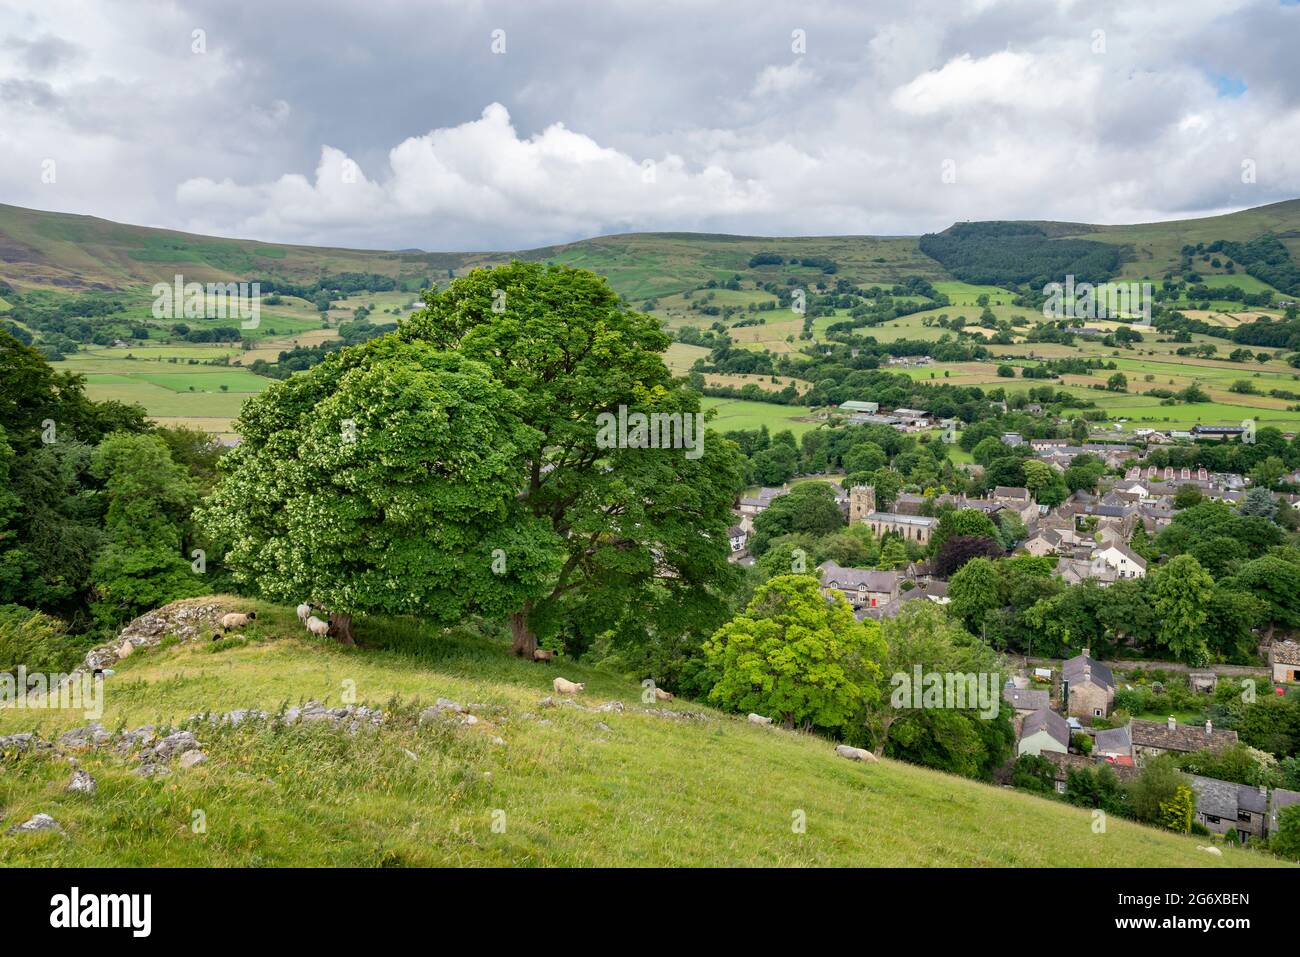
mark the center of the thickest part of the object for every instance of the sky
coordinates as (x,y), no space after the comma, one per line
(509,125)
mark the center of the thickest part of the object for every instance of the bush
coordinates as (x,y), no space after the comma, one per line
(37,641)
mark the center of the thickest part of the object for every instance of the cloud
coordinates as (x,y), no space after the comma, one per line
(409,131)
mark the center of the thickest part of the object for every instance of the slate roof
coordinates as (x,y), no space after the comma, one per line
(1184,737)
(834,576)
(1026,699)
(1047,720)
(1113,741)
(1215,797)
(1073,671)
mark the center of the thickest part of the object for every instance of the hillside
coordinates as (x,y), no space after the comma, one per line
(667,785)
(63,251)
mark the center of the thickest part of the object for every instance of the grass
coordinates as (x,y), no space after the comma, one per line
(643,790)
(737,414)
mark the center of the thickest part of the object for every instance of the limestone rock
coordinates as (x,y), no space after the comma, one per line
(38,822)
(81,783)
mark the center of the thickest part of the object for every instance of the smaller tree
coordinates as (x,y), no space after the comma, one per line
(1285,841)
(796,656)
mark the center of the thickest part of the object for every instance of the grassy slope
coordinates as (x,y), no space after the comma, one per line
(647,791)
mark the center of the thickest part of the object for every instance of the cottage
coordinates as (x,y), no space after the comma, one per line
(1284,660)
(1223,806)
(739,538)
(1088,686)
(1126,562)
(1044,730)
(1153,738)
(861,587)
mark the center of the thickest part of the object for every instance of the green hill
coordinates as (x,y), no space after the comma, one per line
(62,251)
(670,784)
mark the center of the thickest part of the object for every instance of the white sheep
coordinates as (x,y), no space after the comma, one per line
(567,687)
(236,620)
(317,627)
(304,611)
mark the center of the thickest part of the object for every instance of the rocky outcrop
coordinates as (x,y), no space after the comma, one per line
(188,620)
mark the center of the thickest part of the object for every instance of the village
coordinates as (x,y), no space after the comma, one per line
(1064,709)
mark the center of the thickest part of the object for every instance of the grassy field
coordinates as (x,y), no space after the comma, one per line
(736,414)
(629,788)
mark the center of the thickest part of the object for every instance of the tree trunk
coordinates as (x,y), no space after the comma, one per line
(341,628)
(524,641)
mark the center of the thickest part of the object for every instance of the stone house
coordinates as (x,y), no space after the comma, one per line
(1284,661)
(1091,686)
(1153,738)
(1222,806)
(861,587)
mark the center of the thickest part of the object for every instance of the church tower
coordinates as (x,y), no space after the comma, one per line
(862,502)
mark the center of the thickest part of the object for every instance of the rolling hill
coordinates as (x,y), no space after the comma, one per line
(62,251)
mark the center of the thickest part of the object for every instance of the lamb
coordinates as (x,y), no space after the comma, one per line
(236,620)
(541,654)
(317,627)
(304,611)
(567,687)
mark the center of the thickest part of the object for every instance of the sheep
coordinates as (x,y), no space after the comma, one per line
(304,611)
(567,687)
(663,695)
(317,627)
(759,719)
(541,654)
(236,620)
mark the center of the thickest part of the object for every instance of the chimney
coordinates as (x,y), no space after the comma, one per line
(1087,652)
(1173,725)
(1209,727)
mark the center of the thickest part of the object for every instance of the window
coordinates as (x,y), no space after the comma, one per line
(1097,712)
(1243,816)
(1211,819)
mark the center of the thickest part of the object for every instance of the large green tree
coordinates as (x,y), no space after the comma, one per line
(638,535)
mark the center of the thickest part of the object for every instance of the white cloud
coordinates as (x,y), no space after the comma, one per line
(454,148)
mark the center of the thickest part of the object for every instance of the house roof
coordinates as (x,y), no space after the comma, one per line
(1252,799)
(1128,553)
(1026,699)
(1215,797)
(1184,737)
(764,496)
(1045,719)
(834,576)
(1284,653)
(1081,669)
(1113,741)
(1007,491)
(736,531)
